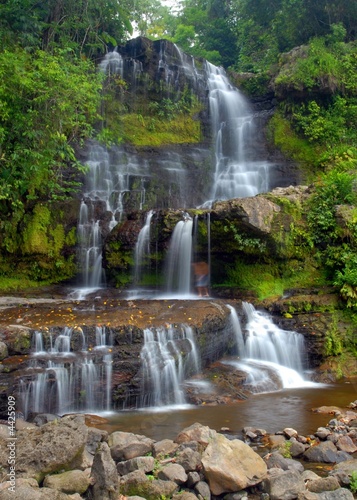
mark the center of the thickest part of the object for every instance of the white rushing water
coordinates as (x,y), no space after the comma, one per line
(179,258)
(272,358)
(60,380)
(169,355)
(238,173)
(142,247)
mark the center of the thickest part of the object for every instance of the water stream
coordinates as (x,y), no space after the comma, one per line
(60,380)
(274,360)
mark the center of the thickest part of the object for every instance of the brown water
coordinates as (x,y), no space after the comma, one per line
(272,412)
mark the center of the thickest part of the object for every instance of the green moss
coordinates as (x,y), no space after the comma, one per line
(35,233)
(151,131)
(290,144)
(271,279)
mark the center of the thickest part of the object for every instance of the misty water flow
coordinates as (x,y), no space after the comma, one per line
(273,358)
(238,172)
(169,356)
(60,380)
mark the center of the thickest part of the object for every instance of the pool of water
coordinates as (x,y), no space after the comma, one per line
(272,412)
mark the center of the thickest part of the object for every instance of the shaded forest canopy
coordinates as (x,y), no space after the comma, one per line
(301,51)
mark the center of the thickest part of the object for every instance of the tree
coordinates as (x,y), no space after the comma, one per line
(48,103)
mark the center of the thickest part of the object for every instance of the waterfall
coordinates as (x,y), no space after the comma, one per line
(179,258)
(272,358)
(237,173)
(60,380)
(142,247)
(169,355)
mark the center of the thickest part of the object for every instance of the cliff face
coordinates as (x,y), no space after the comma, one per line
(175,168)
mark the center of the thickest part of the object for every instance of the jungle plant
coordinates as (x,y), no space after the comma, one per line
(353,482)
(333,342)
(248,244)
(285,449)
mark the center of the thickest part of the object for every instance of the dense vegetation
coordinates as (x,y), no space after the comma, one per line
(50,93)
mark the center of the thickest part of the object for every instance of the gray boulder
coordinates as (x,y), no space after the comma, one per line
(345,443)
(44,450)
(146,464)
(323,452)
(343,471)
(196,432)
(231,465)
(104,475)
(189,459)
(125,445)
(323,484)
(202,490)
(173,472)
(137,483)
(166,447)
(73,481)
(3,351)
(283,485)
(277,461)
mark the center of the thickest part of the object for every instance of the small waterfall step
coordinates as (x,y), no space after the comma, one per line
(169,356)
(273,358)
(60,380)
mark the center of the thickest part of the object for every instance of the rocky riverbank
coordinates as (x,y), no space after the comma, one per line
(56,458)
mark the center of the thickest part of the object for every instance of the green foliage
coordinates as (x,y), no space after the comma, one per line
(82,27)
(164,122)
(333,342)
(335,188)
(47,104)
(284,449)
(249,245)
(286,139)
(353,481)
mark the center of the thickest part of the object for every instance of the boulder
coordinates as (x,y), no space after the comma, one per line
(345,443)
(283,485)
(125,445)
(165,447)
(323,484)
(26,492)
(343,471)
(95,436)
(18,339)
(146,464)
(73,481)
(276,441)
(137,483)
(322,433)
(182,495)
(196,432)
(289,432)
(189,459)
(296,448)
(276,461)
(231,465)
(44,450)
(202,490)
(323,452)
(257,213)
(173,472)
(104,475)
(3,351)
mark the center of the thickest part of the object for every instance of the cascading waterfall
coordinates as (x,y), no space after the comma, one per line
(169,355)
(237,173)
(60,380)
(142,247)
(272,358)
(179,258)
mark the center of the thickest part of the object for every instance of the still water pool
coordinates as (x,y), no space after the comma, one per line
(272,412)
